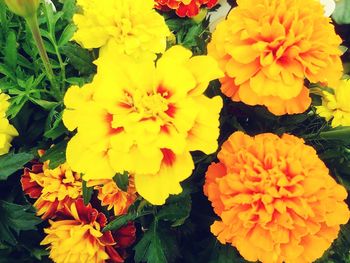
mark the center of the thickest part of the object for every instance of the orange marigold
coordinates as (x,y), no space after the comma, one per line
(267,48)
(113,197)
(77,236)
(53,188)
(275,199)
(189,8)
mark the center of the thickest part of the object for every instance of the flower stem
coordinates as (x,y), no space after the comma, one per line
(32,22)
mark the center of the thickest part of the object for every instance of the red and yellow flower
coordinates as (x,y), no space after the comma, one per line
(53,188)
(76,236)
(268,48)
(275,199)
(183,8)
(145,119)
(113,197)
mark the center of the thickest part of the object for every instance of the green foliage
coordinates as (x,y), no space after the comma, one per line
(156,245)
(122,180)
(56,155)
(15,218)
(87,193)
(11,162)
(341,14)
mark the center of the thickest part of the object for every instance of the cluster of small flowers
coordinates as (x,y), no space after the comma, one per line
(274,196)
(75,232)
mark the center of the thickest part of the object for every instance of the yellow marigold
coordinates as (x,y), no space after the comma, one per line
(7,131)
(335,106)
(267,48)
(113,197)
(275,199)
(145,119)
(77,236)
(129,27)
(53,188)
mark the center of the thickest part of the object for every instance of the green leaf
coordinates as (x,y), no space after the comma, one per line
(176,212)
(124,219)
(47,105)
(10,50)
(341,14)
(122,181)
(11,162)
(56,154)
(67,35)
(339,133)
(156,245)
(15,218)
(87,193)
(79,58)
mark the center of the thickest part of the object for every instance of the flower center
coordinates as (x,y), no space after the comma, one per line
(152,105)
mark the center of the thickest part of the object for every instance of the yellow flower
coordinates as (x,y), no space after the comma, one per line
(25,8)
(114,198)
(130,27)
(7,131)
(144,119)
(275,199)
(335,106)
(267,48)
(77,236)
(53,189)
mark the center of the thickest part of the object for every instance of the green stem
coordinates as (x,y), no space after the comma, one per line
(32,21)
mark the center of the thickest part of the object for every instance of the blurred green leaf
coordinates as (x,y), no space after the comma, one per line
(11,162)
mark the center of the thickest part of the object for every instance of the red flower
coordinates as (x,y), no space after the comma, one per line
(189,8)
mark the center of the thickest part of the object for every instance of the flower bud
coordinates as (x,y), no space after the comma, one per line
(25,8)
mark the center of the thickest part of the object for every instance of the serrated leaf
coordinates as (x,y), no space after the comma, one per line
(11,162)
(156,245)
(67,35)
(15,218)
(79,58)
(122,181)
(56,154)
(176,212)
(87,193)
(341,14)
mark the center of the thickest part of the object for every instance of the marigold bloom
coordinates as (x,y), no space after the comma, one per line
(53,189)
(7,131)
(189,8)
(114,198)
(146,119)
(275,198)
(129,27)
(335,106)
(77,236)
(267,48)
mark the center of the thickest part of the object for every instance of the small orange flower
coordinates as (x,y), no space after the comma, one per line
(267,48)
(76,236)
(275,199)
(189,8)
(114,198)
(52,188)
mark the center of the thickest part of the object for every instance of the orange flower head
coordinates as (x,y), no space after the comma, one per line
(113,197)
(275,199)
(53,188)
(77,236)
(267,49)
(185,8)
